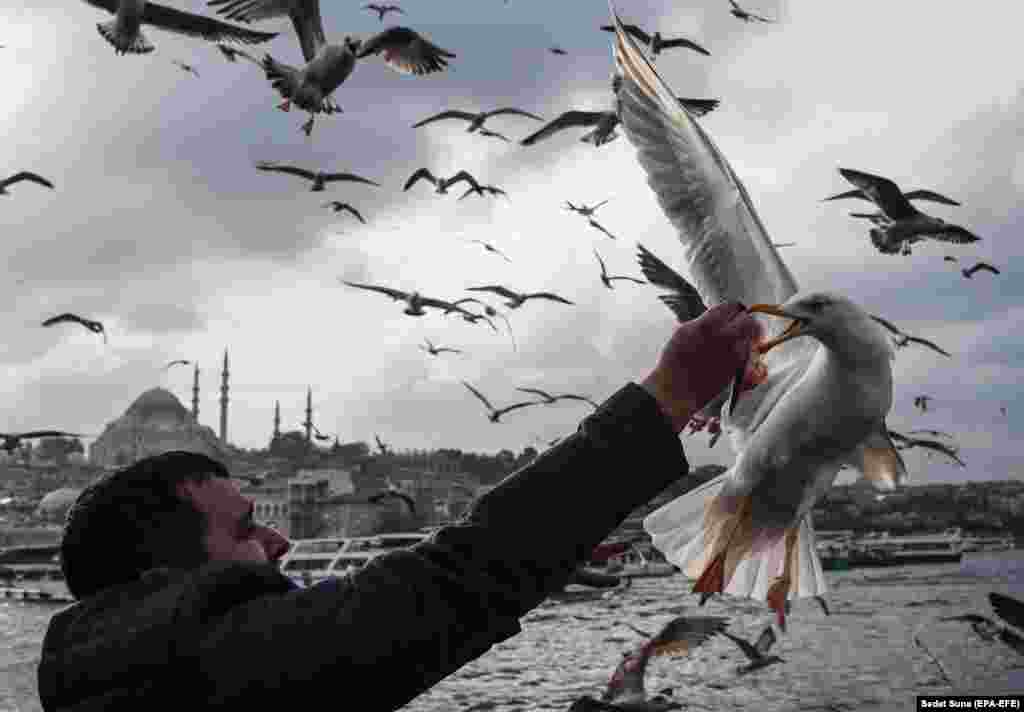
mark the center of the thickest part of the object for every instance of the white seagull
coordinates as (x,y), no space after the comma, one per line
(823,404)
(124,32)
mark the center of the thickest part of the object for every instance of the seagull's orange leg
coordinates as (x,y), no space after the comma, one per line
(778,591)
(730,543)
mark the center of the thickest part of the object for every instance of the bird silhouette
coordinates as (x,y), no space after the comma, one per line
(744,15)
(607,279)
(907,224)
(393,492)
(1008,609)
(684,301)
(583,209)
(382,10)
(125,35)
(950,258)
(517,299)
(969,272)
(758,652)
(186,67)
(921,402)
(441,185)
(435,350)
(69,318)
(905,442)
(902,339)
(548,398)
(11,441)
(491,248)
(23,176)
(415,302)
(496,413)
(318,178)
(655,42)
(338,206)
(604,123)
(626,691)
(177,362)
(926,195)
(476,120)
(384,449)
(557,50)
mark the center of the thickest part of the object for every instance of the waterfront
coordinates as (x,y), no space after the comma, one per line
(861,657)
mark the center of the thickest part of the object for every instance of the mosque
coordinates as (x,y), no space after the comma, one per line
(157,421)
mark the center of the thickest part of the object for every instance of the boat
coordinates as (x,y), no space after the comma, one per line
(641,560)
(833,548)
(310,561)
(883,549)
(989,543)
(33,573)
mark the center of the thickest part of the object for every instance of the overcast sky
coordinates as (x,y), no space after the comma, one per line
(161,227)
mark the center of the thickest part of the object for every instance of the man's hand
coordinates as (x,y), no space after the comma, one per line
(700,360)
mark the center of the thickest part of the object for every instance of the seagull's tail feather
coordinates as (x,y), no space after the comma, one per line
(124,44)
(714,539)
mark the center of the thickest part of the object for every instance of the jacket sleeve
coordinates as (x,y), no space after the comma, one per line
(410,618)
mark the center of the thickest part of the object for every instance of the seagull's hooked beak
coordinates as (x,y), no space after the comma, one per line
(792,331)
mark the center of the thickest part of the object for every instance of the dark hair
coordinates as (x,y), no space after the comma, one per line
(133,520)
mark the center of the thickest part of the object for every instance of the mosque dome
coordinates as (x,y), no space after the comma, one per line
(56,504)
(157,402)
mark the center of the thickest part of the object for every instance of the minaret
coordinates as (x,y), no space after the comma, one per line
(195,394)
(308,424)
(277,421)
(224,401)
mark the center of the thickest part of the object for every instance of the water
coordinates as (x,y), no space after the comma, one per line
(862,657)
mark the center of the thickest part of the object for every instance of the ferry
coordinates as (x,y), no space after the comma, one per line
(989,543)
(33,573)
(883,549)
(310,561)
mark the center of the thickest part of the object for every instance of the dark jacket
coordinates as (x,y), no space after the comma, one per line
(241,636)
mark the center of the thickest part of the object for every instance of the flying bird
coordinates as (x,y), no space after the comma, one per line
(748,532)
(441,185)
(491,248)
(319,178)
(557,50)
(384,449)
(177,362)
(921,402)
(516,299)
(1008,609)
(607,279)
(626,691)
(186,67)
(758,652)
(393,492)
(744,15)
(905,443)
(382,10)
(406,51)
(496,413)
(11,441)
(604,123)
(414,301)
(901,339)
(480,190)
(927,195)
(23,176)
(969,272)
(949,258)
(124,32)
(338,206)
(907,224)
(656,43)
(548,398)
(93,326)
(583,209)
(476,120)
(435,350)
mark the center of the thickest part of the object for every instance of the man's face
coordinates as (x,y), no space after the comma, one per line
(231,533)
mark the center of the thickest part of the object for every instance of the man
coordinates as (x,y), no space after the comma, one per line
(181,603)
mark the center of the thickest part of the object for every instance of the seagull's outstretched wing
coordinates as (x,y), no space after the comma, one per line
(393,293)
(293,170)
(406,51)
(569,118)
(450,114)
(729,252)
(930,195)
(685,301)
(187,23)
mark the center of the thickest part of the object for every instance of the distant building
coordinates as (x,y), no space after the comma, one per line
(156,422)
